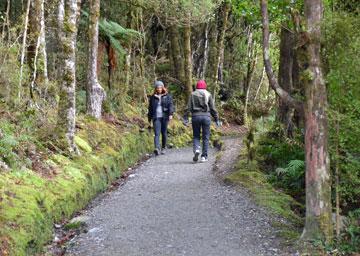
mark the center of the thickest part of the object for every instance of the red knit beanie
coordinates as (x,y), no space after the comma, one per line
(201,84)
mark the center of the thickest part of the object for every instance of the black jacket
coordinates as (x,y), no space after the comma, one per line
(166,103)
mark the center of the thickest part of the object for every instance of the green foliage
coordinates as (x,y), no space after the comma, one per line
(350,242)
(293,175)
(341,51)
(113,32)
(279,11)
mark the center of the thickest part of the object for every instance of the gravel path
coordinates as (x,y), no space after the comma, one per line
(174,207)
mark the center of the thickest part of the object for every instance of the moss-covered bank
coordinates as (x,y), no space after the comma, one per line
(31,202)
(249,175)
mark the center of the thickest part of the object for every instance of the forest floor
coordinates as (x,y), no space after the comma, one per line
(171,206)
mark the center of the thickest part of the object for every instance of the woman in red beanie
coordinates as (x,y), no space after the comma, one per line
(201,106)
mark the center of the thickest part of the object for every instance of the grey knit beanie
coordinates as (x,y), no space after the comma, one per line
(158,83)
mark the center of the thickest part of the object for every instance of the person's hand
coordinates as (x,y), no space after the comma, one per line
(170,117)
(218,123)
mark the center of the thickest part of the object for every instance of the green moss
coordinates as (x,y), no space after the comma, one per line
(249,176)
(74,225)
(31,203)
(82,144)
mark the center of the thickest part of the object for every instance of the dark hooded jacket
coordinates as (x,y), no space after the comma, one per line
(166,104)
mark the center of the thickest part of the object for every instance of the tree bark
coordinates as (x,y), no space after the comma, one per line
(221,41)
(67,110)
(204,61)
(318,223)
(318,189)
(6,24)
(23,47)
(221,28)
(187,57)
(176,53)
(285,77)
(284,95)
(127,64)
(95,94)
(251,59)
(37,56)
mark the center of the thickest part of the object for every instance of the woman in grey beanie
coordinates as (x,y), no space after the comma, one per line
(161,109)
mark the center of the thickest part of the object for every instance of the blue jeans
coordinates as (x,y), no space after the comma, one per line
(160,126)
(201,124)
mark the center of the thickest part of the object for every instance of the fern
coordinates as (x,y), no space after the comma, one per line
(114,33)
(293,175)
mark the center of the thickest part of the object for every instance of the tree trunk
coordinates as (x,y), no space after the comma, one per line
(66,110)
(273,83)
(95,94)
(213,52)
(176,53)
(204,61)
(37,57)
(318,189)
(218,65)
(187,57)
(127,64)
(6,24)
(251,59)
(248,90)
(23,47)
(285,77)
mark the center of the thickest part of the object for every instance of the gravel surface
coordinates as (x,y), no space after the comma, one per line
(172,206)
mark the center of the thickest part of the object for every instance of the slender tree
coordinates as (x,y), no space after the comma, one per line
(66,110)
(177,57)
(23,46)
(188,57)
(95,94)
(37,48)
(318,221)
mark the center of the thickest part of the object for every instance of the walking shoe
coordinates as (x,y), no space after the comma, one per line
(196,156)
(156,152)
(204,159)
(163,151)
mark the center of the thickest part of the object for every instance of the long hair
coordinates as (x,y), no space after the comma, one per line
(164,91)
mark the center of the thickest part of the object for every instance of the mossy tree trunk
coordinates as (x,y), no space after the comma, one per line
(218,46)
(5,34)
(285,77)
(177,57)
(95,94)
(188,58)
(66,109)
(318,189)
(37,56)
(318,222)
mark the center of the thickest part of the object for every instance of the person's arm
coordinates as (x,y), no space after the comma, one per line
(171,107)
(150,110)
(213,110)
